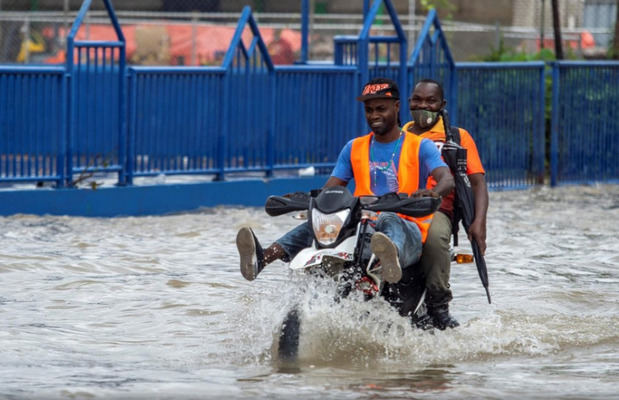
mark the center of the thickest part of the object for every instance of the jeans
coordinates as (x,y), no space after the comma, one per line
(405,235)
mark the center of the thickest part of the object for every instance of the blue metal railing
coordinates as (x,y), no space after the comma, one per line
(315,114)
(175,116)
(376,56)
(431,58)
(95,71)
(94,114)
(247,134)
(32,123)
(585,122)
(502,106)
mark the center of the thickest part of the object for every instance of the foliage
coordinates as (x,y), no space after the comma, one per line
(445,5)
(507,54)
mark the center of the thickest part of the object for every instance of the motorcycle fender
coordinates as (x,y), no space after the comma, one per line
(312,257)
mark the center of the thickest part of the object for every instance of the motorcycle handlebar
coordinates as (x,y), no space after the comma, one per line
(280,205)
(411,206)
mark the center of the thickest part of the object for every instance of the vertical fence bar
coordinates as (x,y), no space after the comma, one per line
(71,111)
(554,137)
(225,129)
(305,11)
(123,157)
(131,126)
(272,113)
(540,146)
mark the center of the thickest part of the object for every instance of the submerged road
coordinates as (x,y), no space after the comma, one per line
(155,307)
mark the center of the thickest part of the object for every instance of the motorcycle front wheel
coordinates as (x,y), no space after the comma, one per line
(288,348)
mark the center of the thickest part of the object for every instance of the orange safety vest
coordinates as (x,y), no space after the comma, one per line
(408,172)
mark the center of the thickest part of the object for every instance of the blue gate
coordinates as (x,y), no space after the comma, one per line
(32,124)
(585,122)
(96,137)
(247,135)
(376,55)
(431,58)
(175,119)
(502,105)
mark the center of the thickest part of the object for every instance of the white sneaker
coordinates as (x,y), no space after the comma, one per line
(387,253)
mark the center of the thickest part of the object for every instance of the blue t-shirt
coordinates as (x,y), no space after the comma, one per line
(384,163)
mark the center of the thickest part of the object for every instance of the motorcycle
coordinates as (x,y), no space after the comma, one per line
(342,225)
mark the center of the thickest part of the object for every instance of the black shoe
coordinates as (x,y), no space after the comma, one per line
(441,319)
(423,321)
(252,255)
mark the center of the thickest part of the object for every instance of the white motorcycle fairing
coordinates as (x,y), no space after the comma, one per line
(312,257)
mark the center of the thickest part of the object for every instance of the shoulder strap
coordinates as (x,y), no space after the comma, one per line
(455,133)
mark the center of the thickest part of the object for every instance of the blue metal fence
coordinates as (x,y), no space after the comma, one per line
(94,114)
(315,114)
(502,106)
(96,139)
(431,58)
(376,55)
(247,127)
(585,122)
(175,118)
(32,122)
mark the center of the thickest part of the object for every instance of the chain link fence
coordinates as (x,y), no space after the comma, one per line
(198,32)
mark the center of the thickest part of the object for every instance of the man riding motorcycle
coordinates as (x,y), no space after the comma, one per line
(385,160)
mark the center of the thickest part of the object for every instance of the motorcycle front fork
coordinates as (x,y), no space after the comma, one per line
(358,275)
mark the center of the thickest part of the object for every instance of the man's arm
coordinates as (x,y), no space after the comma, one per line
(444,181)
(334,181)
(477,230)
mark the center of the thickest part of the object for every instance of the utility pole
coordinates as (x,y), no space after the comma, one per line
(411,24)
(615,54)
(556,23)
(541,25)
(66,21)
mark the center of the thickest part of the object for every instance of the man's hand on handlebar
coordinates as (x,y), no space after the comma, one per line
(426,193)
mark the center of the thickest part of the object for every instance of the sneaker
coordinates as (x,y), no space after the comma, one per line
(252,256)
(387,253)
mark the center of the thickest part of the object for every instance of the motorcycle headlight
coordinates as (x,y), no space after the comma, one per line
(327,226)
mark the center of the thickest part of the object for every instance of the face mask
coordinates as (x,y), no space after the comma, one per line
(424,118)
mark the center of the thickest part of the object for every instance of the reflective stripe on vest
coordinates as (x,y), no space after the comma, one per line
(408,172)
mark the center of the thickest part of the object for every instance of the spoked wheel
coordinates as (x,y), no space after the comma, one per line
(289,336)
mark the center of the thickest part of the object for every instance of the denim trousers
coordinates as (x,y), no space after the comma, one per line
(405,235)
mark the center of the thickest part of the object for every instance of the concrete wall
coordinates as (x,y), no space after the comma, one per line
(529,13)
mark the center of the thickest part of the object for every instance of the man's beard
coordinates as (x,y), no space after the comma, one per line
(383,130)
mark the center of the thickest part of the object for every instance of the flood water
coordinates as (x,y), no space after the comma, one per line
(155,307)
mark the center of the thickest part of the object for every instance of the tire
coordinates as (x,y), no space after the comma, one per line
(289,337)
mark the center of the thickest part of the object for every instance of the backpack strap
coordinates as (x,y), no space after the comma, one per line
(456,217)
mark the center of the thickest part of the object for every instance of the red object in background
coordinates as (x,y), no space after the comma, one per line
(211,42)
(586,41)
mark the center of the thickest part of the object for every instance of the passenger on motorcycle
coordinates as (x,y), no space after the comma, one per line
(387,159)
(426,104)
